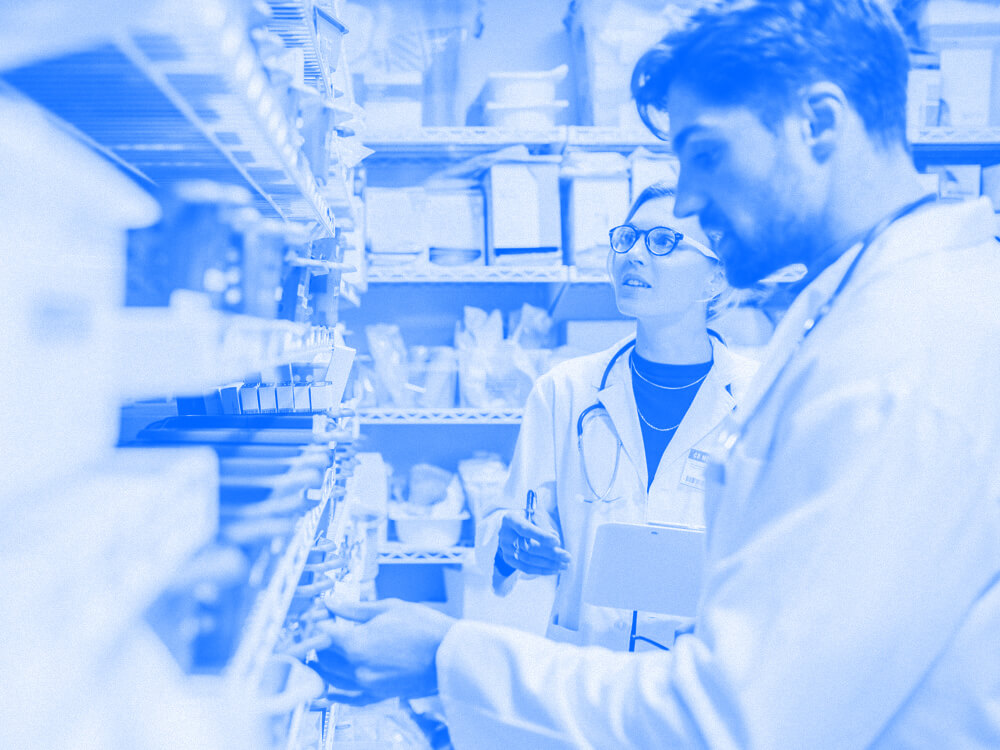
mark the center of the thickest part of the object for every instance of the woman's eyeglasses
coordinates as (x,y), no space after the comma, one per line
(659,240)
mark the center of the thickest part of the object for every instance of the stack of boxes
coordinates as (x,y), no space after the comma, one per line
(964,93)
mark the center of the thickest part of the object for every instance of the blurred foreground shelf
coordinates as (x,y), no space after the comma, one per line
(263,626)
(188,348)
(182,95)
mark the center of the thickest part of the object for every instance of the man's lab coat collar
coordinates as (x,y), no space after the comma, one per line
(712,403)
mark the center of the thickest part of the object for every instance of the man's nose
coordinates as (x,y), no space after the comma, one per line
(689,199)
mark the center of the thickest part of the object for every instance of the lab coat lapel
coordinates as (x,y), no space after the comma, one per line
(619,401)
(789,331)
(710,406)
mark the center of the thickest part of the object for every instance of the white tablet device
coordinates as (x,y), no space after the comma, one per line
(647,568)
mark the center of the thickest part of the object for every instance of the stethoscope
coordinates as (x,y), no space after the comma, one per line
(729,439)
(603,497)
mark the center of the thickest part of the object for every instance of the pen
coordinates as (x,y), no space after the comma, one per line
(529,507)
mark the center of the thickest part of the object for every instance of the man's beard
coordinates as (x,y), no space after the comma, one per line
(748,263)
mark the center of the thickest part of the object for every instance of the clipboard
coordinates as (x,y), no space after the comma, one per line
(649,568)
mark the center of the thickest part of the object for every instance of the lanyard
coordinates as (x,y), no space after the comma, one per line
(730,439)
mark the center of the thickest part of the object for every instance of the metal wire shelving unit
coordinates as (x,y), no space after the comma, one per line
(184,97)
(400,416)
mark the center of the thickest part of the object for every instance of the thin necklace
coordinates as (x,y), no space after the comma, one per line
(635,370)
(653,426)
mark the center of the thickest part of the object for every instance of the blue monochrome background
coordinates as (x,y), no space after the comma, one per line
(281,282)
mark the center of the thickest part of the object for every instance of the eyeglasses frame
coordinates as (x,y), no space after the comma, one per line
(678,236)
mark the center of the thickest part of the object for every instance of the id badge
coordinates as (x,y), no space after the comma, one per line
(695,466)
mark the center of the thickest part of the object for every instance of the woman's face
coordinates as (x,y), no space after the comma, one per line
(661,286)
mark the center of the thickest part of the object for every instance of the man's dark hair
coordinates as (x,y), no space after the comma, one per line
(758,53)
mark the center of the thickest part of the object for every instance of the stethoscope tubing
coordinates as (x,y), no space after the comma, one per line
(601,497)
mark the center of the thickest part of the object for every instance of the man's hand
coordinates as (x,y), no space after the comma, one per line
(381,650)
(529,548)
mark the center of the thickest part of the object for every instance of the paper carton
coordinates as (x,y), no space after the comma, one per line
(523,225)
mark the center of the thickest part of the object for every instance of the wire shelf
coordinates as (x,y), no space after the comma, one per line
(263,626)
(588,276)
(292,20)
(462,142)
(396,553)
(956,136)
(430,274)
(587,137)
(439,416)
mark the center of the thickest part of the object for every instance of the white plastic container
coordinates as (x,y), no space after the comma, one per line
(525,88)
(524,116)
(430,533)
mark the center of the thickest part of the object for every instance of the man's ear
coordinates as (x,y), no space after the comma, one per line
(824,110)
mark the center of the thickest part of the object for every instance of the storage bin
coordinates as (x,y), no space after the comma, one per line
(524,88)
(524,116)
(429,533)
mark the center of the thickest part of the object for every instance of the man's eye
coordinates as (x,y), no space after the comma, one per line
(706,159)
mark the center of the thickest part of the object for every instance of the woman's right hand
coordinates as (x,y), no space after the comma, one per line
(529,548)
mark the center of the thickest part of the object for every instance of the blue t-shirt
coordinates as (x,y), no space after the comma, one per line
(663,395)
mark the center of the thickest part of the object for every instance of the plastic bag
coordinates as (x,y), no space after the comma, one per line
(389,352)
(533,329)
(495,373)
(428,484)
(483,477)
(433,376)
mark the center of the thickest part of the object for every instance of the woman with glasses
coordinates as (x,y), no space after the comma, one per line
(618,436)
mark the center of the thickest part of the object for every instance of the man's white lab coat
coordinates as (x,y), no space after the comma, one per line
(548,460)
(852,595)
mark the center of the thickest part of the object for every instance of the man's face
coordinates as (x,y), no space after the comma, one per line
(753,189)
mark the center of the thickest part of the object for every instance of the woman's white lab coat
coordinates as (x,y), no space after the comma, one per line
(547,459)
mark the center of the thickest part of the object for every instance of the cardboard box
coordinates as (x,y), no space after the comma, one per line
(930,182)
(991,185)
(966,34)
(456,226)
(595,204)
(966,87)
(923,98)
(394,218)
(958,181)
(524,220)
